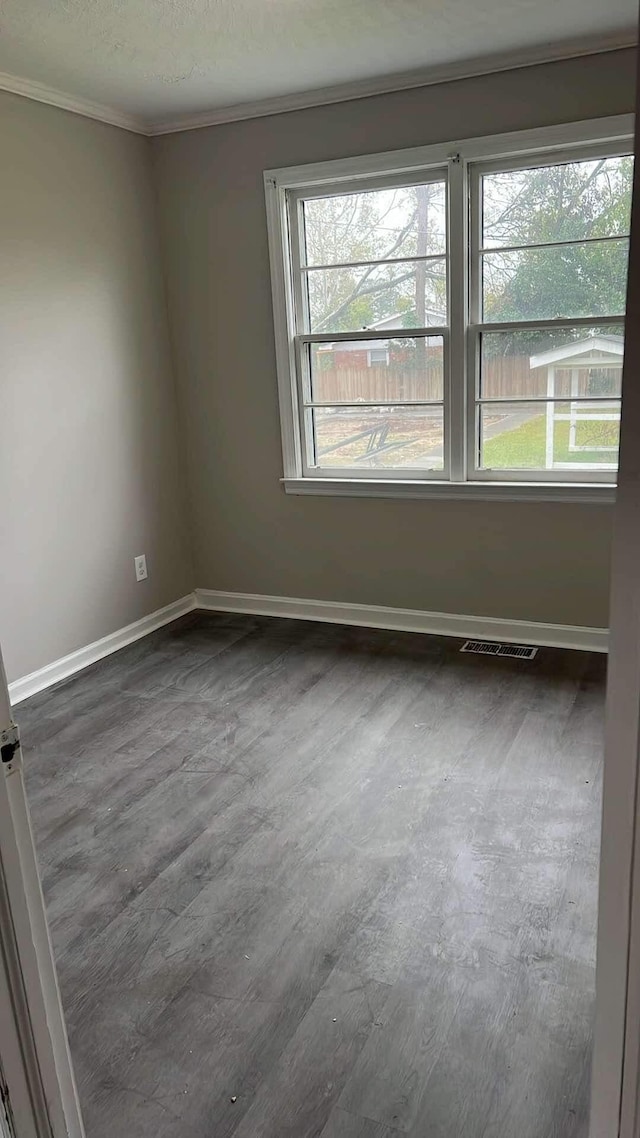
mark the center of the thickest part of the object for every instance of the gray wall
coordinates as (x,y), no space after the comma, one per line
(92,458)
(89,461)
(530,561)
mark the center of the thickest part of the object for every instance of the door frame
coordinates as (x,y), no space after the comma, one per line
(36,1064)
(615,1109)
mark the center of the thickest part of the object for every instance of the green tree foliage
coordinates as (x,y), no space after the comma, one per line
(573,202)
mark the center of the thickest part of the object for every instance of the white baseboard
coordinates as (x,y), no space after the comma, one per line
(76,661)
(334,612)
(408,620)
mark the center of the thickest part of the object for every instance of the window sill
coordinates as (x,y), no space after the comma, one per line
(588,493)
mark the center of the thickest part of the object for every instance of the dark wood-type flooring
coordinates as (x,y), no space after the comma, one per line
(307,880)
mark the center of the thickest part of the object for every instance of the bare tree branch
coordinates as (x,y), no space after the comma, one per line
(380,286)
(359,289)
(594,174)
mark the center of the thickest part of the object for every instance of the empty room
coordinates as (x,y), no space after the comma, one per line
(312,327)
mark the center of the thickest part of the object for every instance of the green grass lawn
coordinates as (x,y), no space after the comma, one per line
(524,446)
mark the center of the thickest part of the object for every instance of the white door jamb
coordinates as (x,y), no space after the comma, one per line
(35,1054)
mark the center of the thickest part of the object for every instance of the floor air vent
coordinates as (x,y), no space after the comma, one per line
(487,648)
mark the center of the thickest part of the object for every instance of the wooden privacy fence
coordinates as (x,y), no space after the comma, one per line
(510,377)
(503,376)
(388,383)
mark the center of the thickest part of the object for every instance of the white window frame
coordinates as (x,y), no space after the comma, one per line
(376,363)
(465,160)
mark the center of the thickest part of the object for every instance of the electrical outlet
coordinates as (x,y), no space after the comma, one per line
(141,567)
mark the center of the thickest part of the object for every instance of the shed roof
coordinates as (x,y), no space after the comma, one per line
(611,349)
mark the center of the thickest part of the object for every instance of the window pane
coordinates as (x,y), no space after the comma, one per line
(565,280)
(408,295)
(583,362)
(391,371)
(379,437)
(566,202)
(376,225)
(554,436)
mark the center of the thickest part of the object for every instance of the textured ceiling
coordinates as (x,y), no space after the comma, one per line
(158,58)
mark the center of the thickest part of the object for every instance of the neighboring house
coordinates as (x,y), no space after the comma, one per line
(373,353)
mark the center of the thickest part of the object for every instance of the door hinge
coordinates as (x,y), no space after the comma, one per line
(9,743)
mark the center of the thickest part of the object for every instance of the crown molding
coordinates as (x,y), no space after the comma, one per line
(323,96)
(29,89)
(404,81)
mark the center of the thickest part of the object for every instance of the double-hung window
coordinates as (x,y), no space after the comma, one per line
(450,320)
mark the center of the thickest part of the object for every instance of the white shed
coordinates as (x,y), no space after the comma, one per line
(581,358)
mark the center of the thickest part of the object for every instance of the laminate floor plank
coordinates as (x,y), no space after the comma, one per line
(297,1095)
(341,1124)
(312,881)
(388,1081)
